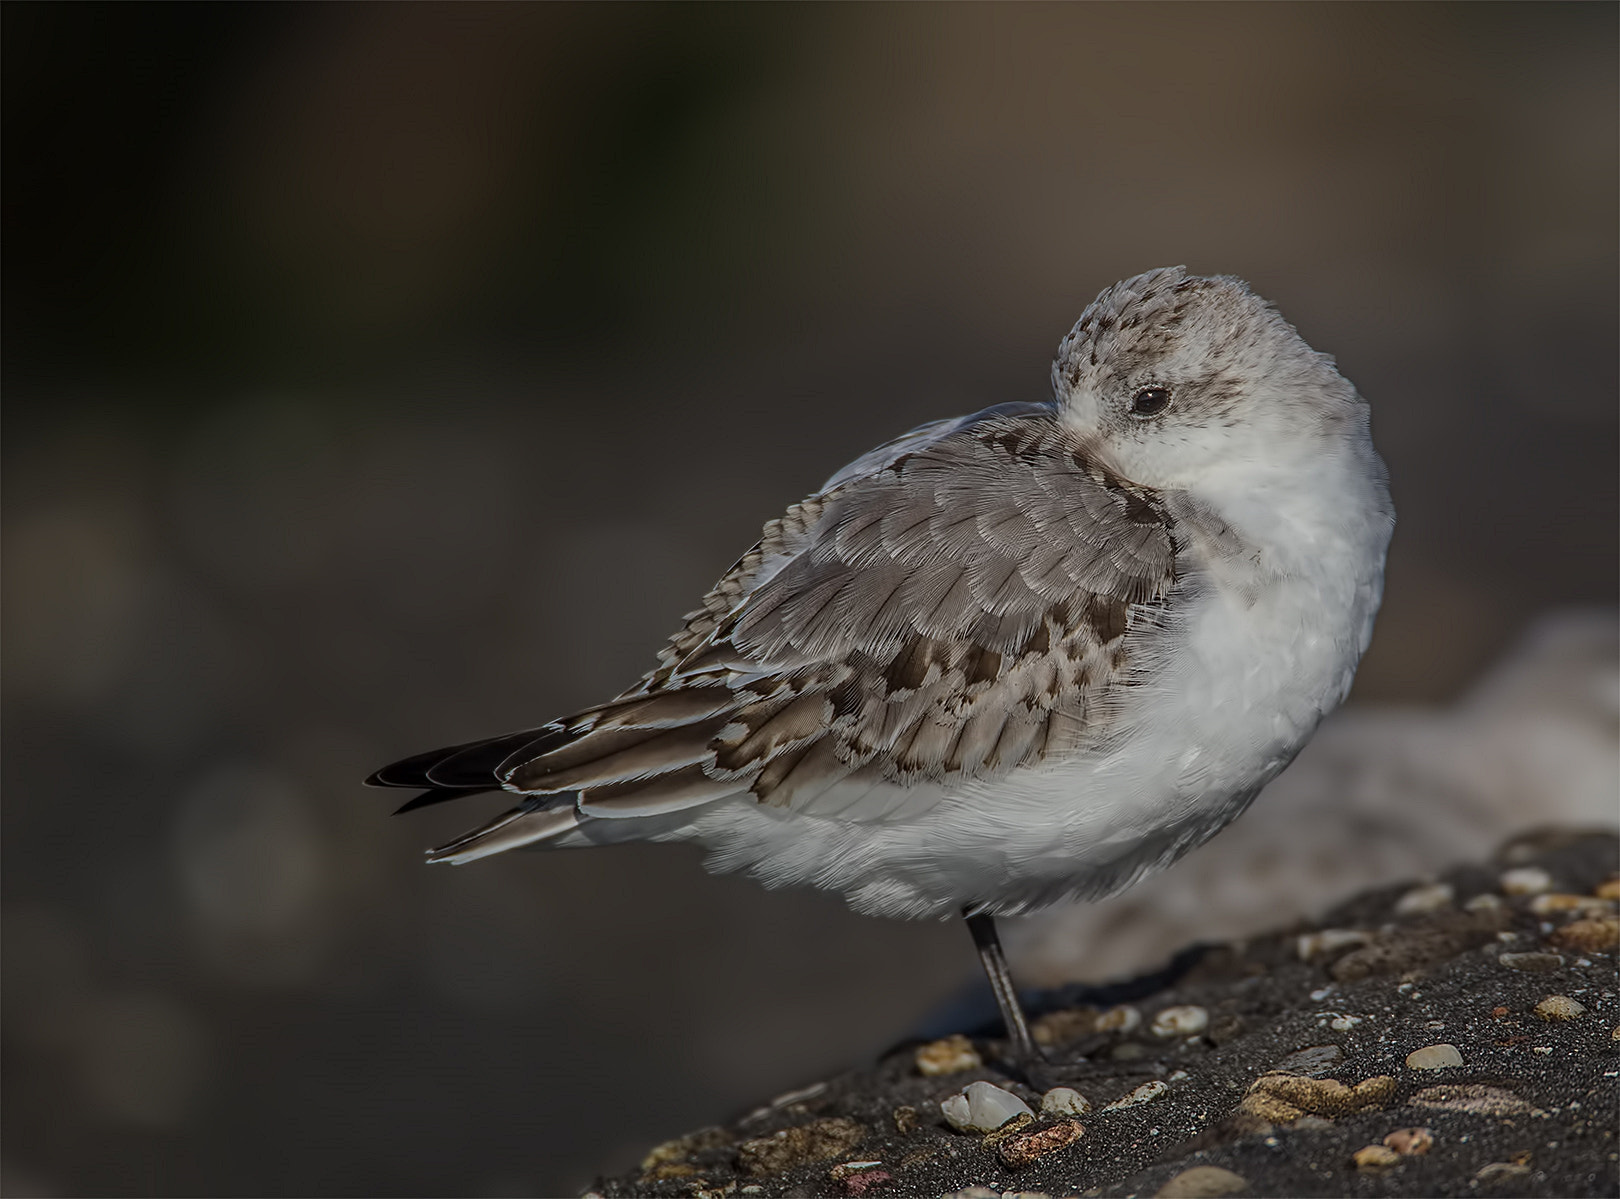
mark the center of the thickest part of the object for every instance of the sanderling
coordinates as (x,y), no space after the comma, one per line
(1013,658)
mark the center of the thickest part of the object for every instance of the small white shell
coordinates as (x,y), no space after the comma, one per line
(982,1107)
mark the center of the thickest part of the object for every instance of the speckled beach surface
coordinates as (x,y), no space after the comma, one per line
(1455,1036)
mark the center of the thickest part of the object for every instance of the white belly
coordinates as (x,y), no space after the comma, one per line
(1232,694)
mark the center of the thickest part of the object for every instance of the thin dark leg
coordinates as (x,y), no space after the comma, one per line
(988,944)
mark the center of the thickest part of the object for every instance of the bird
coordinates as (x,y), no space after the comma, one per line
(1007,660)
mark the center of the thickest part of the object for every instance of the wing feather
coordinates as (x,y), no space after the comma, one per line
(948,609)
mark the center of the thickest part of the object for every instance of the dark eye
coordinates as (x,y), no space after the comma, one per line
(1150,401)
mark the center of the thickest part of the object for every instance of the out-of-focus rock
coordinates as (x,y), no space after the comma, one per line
(1429,898)
(1532,963)
(1203,1182)
(950,1055)
(1123,1019)
(1502,1173)
(1410,1142)
(1376,1157)
(1556,904)
(1598,934)
(1527,880)
(1183,1020)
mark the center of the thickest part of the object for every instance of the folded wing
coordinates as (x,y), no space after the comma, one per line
(956,607)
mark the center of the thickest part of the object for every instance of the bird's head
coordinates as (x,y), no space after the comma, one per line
(1174,379)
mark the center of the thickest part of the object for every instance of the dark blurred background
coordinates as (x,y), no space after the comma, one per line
(381,376)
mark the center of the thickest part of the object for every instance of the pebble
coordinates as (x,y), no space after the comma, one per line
(799,1095)
(905,1120)
(1526,880)
(1592,934)
(844,1169)
(1064,1101)
(1609,888)
(1203,1182)
(1284,1098)
(1434,1057)
(1484,902)
(983,1107)
(792,1147)
(1027,1147)
(1010,1129)
(868,1180)
(1425,899)
(860,1177)
(950,1055)
(1376,1157)
(1547,905)
(1311,946)
(1501,1172)
(1472,1097)
(973,1193)
(670,1159)
(1410,1142)
(1531,963)
(1314,1060)
(1122,1019)
(1415,947)
(1560,1007)
(1146,1093)
(1344,1023)
(1186,1020)
(1057,1028)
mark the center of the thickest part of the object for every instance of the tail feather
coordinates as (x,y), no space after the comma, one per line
(479,764)
(638,757)
(510,830)
(437,795)
(470,764)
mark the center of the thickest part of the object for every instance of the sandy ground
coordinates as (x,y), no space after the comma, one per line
(1477,1025)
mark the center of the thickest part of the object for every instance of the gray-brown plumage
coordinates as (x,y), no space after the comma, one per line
(956,611)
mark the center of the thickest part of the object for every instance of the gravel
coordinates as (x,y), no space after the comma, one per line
(1297,1085)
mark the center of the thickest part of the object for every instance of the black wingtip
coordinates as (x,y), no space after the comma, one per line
(437,795)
